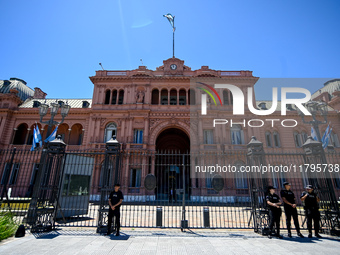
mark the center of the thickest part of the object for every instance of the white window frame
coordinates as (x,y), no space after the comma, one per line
(237,136)
(297,139)
(208,136)
(335,140)
(269,141)
(241,180)
(277,142)
(136,183)
(304,137)
(14,174)
(138,136)
(110,130)
(34,172)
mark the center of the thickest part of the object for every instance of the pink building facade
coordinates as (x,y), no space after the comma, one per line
(160,110)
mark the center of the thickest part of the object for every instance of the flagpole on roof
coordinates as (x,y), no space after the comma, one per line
(171,19)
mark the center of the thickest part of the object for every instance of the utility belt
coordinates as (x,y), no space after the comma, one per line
(288,206)
(275,209)
(313,208)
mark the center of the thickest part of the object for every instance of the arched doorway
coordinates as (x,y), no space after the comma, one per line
(172,165)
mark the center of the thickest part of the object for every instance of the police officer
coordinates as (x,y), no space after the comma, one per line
(289,204)
(273,202)
(312,210)
(115,200)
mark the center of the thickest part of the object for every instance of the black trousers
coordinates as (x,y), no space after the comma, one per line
(115,213)
(313,215)
(274,218)
(290,211)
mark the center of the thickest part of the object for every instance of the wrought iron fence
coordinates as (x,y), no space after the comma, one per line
(180,197)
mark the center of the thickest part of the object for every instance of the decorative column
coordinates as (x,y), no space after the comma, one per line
(42,212)
(14,133)
(322,181)
(69,135)
(111,175)
(258,185)
(27,135)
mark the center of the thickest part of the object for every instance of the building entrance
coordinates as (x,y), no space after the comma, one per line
(172,165)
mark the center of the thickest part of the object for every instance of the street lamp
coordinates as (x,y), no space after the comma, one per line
(315,155)
(43,109)
(315,108)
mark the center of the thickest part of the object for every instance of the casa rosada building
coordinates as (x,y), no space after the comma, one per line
(159,110)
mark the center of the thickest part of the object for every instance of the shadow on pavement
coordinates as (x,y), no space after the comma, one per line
(59,232)
(125,235)
(122,237)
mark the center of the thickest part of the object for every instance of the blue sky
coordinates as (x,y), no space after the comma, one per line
(57,45)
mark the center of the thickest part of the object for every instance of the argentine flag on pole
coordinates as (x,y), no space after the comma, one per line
(34,143)
(325,141)
(325,134)
(313,134)
(36,138)
(39,139)
(52,135)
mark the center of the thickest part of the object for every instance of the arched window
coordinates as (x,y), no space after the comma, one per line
(192,97)
(269,139)
(164,97)
(335,140)
(44,132)
(304,137)
(20,134)
(182,97)
(121,97)
(107,96)
(173,97)
(30,135)
(155,96)
(225,97)
(236,133)
(110,131)
(63,131)
(276,138)
(297,139)
(114,97)
(76,134)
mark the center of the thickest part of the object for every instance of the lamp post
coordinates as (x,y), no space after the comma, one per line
(315,108)
(109,178)
(43,109)
(315,155)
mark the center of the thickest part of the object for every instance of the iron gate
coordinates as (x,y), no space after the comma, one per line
(77,194)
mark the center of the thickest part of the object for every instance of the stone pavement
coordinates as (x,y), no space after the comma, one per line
(166,241)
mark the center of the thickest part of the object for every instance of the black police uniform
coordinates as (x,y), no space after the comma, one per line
(115,198)
(312,211)
(274,213)
(289,210)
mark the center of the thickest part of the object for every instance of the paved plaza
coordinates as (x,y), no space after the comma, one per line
(165,241)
